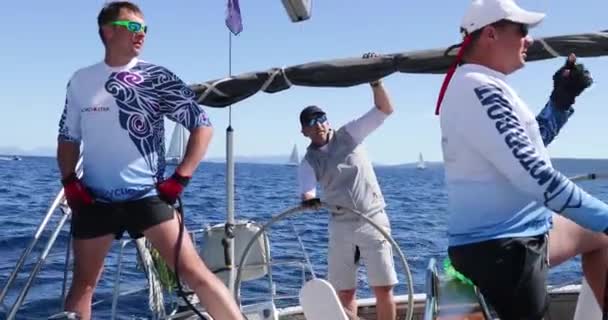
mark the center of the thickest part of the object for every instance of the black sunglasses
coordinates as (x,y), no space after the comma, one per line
(318,119)
(522,28)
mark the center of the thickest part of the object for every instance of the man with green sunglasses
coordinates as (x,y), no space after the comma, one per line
(117,108)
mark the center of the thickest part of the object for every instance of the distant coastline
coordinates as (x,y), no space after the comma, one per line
(600,164)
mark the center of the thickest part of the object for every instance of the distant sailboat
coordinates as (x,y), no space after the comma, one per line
(421,165)
(177,145)
(294,158)
(11,158)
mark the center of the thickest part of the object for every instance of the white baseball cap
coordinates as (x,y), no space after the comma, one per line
(484,12)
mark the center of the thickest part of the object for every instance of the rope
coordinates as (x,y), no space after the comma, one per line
(548,48)
(178,249)
(155,292)
(274,74)
(212,88)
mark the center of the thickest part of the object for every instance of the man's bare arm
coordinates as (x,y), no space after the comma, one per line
(198,142)
(67,157)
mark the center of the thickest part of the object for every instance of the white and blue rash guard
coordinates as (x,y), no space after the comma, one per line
(118,114)
(498,173)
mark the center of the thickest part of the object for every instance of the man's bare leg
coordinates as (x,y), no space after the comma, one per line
(347,298)
(567,240)
(210,290)
(89,256)
(385,303)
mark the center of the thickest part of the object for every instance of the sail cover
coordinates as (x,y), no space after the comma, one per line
(348,72)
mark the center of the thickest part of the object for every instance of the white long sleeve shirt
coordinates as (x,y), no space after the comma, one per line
(499,176)
(359,129)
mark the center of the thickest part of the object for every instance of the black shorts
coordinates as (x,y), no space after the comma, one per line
(101,218)
(511,274)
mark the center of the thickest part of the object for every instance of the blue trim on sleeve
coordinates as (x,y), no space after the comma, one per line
(551,120)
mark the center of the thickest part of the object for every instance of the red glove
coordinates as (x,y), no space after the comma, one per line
(169,190)
(75,192)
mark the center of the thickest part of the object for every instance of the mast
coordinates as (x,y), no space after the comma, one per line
(228,240)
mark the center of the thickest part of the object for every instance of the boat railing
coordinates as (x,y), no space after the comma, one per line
(449,298)
(196,236)
(58,203)
(59,206)
(298,210)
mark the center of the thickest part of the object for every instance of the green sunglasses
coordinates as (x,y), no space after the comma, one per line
(132,26)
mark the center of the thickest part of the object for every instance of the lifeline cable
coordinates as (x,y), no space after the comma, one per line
(178,247)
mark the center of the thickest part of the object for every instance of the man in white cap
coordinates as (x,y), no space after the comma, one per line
(504,196)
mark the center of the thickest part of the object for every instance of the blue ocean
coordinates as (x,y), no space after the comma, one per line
(416,206)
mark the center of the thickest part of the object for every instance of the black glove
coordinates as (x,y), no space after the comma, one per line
(569,82)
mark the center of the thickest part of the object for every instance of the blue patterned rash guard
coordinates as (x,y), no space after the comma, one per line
(498,172)
(118,114)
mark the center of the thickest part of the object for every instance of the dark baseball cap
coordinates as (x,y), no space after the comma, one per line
(310,113)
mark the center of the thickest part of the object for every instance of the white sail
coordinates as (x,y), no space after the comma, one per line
(177,145)
(421,164)
(294,158)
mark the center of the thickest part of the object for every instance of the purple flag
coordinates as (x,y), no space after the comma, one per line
(233,17)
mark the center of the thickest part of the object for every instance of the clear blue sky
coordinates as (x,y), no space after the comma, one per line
(44,42)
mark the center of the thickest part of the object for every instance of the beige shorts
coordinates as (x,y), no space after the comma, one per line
(346,237)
